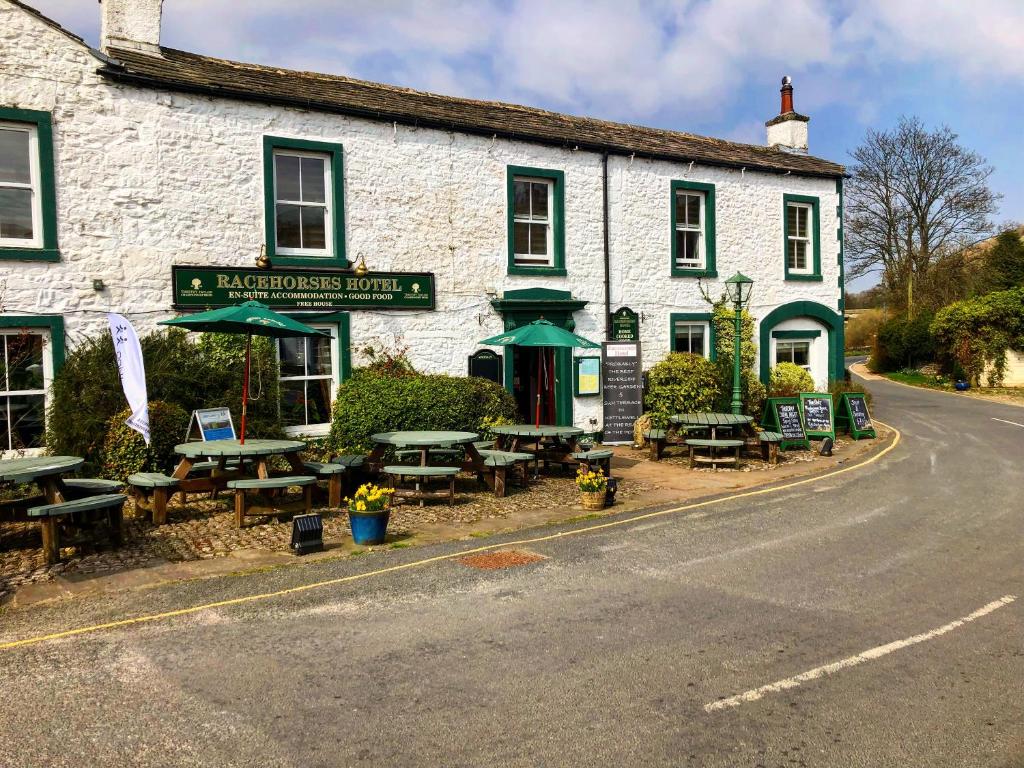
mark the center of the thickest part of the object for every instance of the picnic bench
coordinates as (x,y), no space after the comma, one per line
(656,439)
(769,443)
(151,492)
(109,505)
(333,474)
(422,474)
(264,488)
(83,487)
(507,464)
(713,446)
(601,458)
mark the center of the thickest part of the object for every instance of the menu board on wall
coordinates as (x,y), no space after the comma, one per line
(622,379)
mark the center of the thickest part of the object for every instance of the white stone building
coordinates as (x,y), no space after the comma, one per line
(120,164)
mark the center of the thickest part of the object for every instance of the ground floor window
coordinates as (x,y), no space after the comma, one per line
(309,377)
(796,351)
(690,337)
(27,368)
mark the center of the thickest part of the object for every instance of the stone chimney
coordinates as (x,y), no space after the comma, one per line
(130,24)
(788,131)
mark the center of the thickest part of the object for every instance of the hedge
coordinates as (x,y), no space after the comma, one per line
(370,402)
(789,380)
(125,451)
(979,331)
(903,343)
(682,383)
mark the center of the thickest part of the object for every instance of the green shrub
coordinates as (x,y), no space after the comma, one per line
(682,383)
(86,393)
(973,333)
(839,386)
(753,392)
(789,380)
(902,343)
(369,402)
(125,452)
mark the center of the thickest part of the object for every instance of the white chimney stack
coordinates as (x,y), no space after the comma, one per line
(130,24)
(788,131)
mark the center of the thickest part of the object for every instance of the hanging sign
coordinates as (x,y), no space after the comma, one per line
(622,383)
(625,325)
(487,365)
(819,420)
(323,289)
(854,415)
(782,414)
(212,423)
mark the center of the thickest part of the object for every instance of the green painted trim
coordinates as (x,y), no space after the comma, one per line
(576,376)
(336,151)
(558,223)
(43,122)
(832,321)
(697,317)
(841,235)
(343,321)
(709,229)
(815,203)
(561,317)
(796,334)
(53,323)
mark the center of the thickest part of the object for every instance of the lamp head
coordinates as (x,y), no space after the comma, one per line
(738,287)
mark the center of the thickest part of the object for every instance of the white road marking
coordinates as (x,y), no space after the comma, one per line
(1008,422)
(852,661)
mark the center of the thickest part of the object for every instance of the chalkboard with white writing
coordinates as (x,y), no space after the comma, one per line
(622,386)
(819,419)
(782,414)
(858,420)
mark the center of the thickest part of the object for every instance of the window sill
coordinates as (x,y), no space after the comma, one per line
(538,271)
(308,430)
(694,272)
(285,260)
(803,278)
(29,254)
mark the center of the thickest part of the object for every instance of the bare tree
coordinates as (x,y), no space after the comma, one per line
(915,196)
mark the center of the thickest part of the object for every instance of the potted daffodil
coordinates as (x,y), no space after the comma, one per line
(368,513)
(593,488)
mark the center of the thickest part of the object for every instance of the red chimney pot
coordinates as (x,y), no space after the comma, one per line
(787,95)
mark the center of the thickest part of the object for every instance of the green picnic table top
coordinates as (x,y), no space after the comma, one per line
(25,470)
(710,419)
(199,449)
(424,438)
(531,430)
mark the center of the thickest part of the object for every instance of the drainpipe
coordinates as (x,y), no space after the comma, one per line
(607,258)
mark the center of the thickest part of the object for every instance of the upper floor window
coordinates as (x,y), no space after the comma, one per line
(304,186)
(693,229)
(536,236)
(28,216)
(802,234)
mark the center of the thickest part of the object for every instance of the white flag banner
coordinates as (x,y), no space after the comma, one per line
(133,372)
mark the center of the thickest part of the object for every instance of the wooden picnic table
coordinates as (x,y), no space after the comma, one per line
(562,441)
(712,421)
(423,440)
(44,471)
(257,451)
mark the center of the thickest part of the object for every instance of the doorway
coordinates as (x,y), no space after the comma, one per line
(534,373)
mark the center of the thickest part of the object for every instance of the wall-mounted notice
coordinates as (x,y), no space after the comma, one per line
(622,379)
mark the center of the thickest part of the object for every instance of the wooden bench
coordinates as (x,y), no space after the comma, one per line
(84,487)
(355,470)
(601,458)
(484,445)
(151,491)
(333,474)
(656,438)
(50,515)
(713,447)
(504,462)
(422,474)
(770,446)
(271,504)
(444,454)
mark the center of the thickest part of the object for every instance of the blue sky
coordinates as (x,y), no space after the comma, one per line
(705,66)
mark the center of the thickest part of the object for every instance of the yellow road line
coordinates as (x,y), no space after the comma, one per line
(439,558)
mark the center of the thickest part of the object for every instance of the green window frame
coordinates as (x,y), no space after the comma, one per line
(708,190)
(336,228)
(42,122)
(340,321)
(57,350)
(576,362)
(556,222)
(693,317)
(815,205)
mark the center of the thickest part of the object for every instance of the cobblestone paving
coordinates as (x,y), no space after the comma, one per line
(205,529)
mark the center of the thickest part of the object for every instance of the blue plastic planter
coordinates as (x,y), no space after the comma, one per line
(369,528)
(962,386)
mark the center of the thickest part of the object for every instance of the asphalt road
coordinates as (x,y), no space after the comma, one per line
(611,651)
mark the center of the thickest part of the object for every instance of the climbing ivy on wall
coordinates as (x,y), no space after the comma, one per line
(976,333)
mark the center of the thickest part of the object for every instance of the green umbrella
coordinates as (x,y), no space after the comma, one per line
(250,318)
(540,333)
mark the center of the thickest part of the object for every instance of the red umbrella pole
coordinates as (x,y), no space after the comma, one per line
(245,382)
(539,382)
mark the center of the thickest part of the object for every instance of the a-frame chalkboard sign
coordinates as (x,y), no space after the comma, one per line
(782,414)
(854,416)
(819,416)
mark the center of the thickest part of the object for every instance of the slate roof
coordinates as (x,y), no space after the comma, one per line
(182,71)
